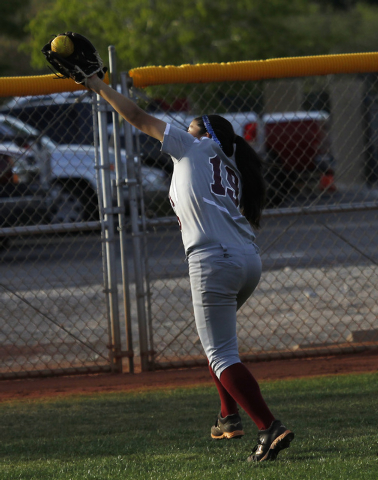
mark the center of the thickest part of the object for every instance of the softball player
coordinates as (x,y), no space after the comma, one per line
(217,192)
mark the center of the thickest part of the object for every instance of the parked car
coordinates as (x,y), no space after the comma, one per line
(74,184)
(21,203)
(41,111)
(68,174)
(37,149)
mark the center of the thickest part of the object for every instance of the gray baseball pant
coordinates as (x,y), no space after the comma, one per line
(222,278)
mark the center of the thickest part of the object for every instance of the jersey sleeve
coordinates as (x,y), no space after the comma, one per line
(176,142)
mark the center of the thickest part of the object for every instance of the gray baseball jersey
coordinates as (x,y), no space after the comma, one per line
(205,192)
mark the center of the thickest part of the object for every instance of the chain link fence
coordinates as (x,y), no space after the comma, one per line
(318,292)
(93,271)
(53,314)
(64,206)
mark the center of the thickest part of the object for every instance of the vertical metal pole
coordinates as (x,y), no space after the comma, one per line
(100,208)
(120,187)
(109,214)
(136,237)
(146,269)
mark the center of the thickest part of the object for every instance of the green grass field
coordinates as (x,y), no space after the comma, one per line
(164,434)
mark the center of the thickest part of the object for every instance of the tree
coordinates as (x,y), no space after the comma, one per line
(337,4)
(13,18)
(148,32)
(171,32)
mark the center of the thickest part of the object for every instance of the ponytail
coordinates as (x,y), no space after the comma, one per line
(249,164)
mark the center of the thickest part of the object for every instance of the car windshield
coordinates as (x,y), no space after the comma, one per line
(16,126)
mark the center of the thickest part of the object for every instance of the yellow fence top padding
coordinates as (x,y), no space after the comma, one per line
(206,73)
(38,85)
(256,70)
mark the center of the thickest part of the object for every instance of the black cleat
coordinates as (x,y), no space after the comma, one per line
(270,442)
(227,427)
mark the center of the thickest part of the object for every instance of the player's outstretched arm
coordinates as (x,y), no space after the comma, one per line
(128,109)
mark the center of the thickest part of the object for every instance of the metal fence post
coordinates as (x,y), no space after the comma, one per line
(136,237)
(108,214)
(100,208)
(120,186)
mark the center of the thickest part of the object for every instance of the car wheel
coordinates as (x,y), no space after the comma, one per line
(66,206)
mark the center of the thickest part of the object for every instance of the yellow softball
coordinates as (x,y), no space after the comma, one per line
(62,45)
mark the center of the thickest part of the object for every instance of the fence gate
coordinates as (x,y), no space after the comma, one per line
(58,297)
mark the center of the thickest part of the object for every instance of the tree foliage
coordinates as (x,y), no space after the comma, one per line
(149,32)
(13,17)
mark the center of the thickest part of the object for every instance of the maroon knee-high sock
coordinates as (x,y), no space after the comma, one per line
(228,404)
(243,387)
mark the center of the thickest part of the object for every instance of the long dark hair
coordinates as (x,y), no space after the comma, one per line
(249,165)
